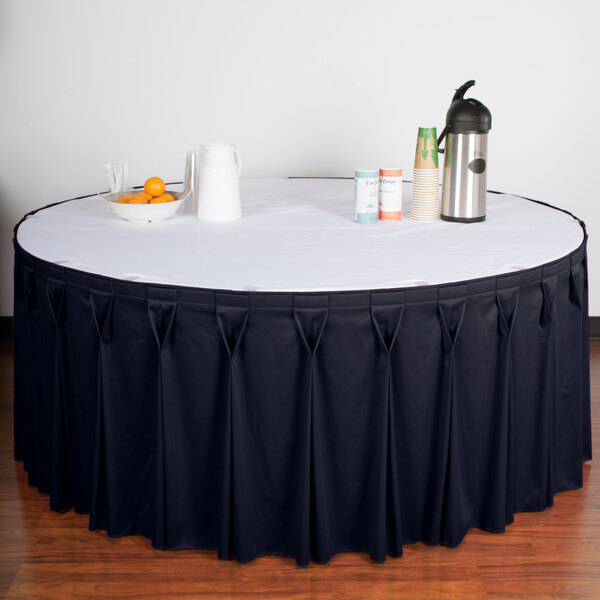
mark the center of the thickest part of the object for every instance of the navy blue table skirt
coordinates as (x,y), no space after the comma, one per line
(301,424)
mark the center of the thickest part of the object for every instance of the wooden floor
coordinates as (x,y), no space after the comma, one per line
(552,554)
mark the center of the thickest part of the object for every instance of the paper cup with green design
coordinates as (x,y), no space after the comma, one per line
(426,155)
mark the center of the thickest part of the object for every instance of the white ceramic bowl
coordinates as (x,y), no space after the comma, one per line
(145,213)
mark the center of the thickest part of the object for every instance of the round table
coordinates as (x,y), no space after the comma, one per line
(295,383)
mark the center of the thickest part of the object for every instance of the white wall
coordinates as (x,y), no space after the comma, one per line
(312,87)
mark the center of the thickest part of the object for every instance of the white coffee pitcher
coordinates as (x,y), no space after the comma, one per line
(218,183)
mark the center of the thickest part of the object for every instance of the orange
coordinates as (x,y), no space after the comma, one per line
(158,200)
(166,197)
(155,186)
(139,199)
(124,199)
(144,195)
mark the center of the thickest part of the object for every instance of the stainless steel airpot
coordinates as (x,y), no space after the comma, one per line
(465,166)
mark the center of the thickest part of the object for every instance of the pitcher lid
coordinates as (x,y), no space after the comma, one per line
(219,152)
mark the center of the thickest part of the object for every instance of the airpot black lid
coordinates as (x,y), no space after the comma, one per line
(467,114)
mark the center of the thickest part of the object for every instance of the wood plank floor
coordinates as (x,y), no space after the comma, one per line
(44,555)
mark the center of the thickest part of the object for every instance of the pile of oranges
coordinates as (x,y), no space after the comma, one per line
(154,193)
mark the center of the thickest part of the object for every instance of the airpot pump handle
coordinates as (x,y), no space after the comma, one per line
(460,92)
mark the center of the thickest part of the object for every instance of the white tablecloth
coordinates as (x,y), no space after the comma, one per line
(299,235)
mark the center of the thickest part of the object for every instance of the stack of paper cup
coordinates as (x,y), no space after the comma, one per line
(426,176)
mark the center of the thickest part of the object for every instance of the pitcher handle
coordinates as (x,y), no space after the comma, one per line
(238,160)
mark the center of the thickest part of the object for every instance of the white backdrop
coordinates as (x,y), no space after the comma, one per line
(311,87)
